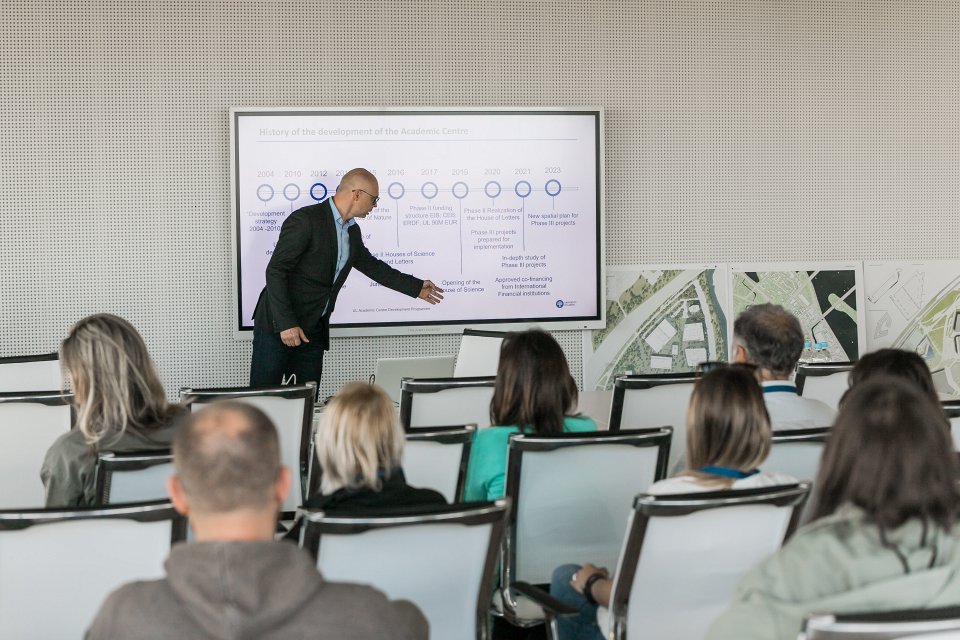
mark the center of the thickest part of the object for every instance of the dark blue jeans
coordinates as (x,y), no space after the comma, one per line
(582,626)
(274,363)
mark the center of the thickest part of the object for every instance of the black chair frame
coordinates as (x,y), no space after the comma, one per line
(109,462)
(818,370)
(411,386)
(307,392)
(141,512)
(316,523)
(886,624)
(450,435)
(817,434)
(520,443)
(646,506)
(623,383)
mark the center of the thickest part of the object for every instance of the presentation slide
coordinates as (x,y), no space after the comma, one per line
(502,209)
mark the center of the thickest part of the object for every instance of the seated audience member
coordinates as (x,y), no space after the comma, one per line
(534,393)
(120,406)
(728,437)
(770,337)
(235,581)
(359,445)
(885,534)
(902,364)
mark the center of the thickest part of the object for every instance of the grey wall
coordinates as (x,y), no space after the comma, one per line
(736,130)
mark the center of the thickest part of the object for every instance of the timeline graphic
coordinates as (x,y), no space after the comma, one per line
(493,211)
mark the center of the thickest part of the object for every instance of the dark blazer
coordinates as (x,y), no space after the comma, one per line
(300,273)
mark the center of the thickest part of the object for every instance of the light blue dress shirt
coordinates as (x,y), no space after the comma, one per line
(343,242)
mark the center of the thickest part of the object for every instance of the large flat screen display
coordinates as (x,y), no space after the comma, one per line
(500,208)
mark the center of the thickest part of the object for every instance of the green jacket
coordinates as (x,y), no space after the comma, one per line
(837,564)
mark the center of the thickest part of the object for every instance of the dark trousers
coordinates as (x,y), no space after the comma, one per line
(274,363)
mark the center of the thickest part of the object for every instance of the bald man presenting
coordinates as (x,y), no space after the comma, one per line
(318,246)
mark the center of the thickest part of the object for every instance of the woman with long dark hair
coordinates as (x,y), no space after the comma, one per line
(884,535)
(534,393)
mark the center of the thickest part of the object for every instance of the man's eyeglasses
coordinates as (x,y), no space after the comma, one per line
(375,199)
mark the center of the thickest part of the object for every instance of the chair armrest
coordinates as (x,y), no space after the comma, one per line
(550,605)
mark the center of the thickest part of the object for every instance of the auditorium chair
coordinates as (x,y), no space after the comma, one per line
(58,566)
(824,381)
(440,558)
(132,476)
(649,401)
(437,402)
(684,554)
(571,494)
(30,373)
(29,423)
(290,408)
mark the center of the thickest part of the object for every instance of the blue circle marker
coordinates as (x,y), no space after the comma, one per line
(265,193)
(556,184)
(559,304)
(489,189)
(313,191)
(429,190)
(463,187)
(393,192)
(291,191)
(523,189)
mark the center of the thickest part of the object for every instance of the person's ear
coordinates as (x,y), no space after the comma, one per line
(178,496)
(282,486)
(740,355)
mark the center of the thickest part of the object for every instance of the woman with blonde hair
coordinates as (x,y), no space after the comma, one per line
(119,401)
(359,446)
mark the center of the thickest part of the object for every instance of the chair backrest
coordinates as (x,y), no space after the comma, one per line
(29,423)
(650,401)
(571,494)
(824,381)
(290,409)
(30,373)
(437,459)
(952,409)
(684,554)
(886,625)
(479,353)
(440,559)
(57,567)
(797,453)
(132,476)
(390,372)
(437,402)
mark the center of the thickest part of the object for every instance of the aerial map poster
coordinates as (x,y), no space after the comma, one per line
(827,298)
(660,319)
(916,306)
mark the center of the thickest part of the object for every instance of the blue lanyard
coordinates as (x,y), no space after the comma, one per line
(780,387)
(727,472)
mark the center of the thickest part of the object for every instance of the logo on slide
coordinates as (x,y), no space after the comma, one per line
(565,303)
(559,304)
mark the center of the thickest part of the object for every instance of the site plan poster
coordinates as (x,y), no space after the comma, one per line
(660,319)
(915,305)
(826,297)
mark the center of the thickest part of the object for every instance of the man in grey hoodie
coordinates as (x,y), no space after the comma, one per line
(235,581)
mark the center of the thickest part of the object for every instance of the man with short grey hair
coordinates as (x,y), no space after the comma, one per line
(235,581)
(770,337)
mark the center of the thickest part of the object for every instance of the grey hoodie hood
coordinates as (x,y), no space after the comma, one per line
(241,589)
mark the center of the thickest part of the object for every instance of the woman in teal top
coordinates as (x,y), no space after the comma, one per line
(534,389)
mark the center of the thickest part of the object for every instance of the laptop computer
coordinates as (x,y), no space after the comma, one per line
(391,370)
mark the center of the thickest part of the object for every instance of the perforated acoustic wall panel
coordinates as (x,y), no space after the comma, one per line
(736,131)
